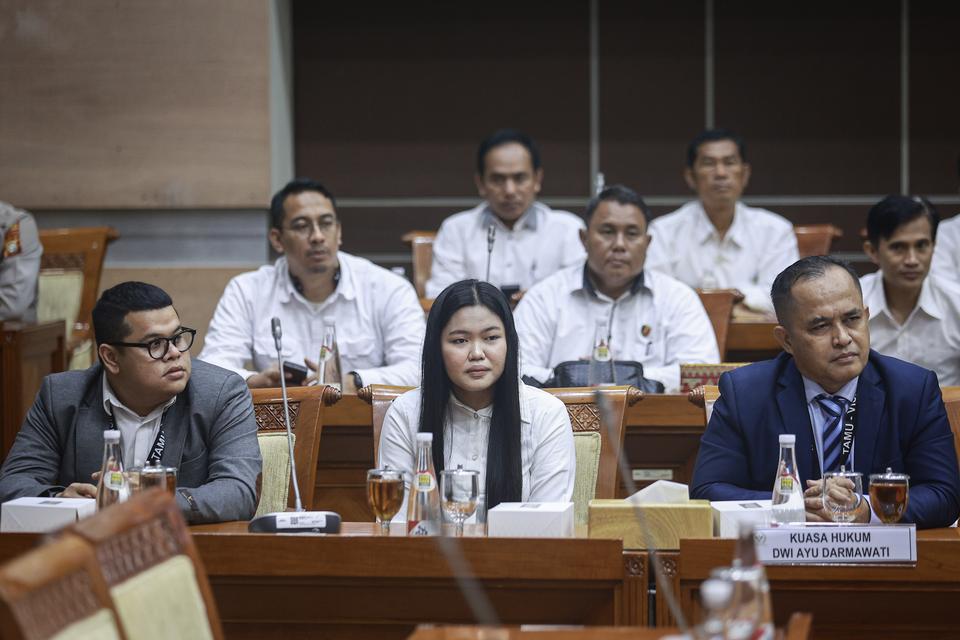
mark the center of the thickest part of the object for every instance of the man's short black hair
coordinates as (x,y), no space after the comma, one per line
(714,135)
(117,301)
(617,193)
(808,268)
(295,186)
(894,211)
(506,136)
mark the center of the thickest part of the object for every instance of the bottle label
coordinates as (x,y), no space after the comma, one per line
(601,352)
(425,482)
(422,528)
(786,484)
(114,480)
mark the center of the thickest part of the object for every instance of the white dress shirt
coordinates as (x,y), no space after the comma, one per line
(659,323)
(756,248)
(930,337)
(946,252)
(378,317)
(137,433)
(542,241)
(548,462)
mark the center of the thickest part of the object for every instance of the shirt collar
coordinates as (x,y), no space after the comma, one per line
(706,230)
(345,285)
(110,401)
(529,220)
(811,389)
(487,412)
(585,284)
(877,299)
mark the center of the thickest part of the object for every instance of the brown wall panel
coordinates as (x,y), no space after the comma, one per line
(814,89)
(934,98)
(651,91)
(134,104)
(392,99)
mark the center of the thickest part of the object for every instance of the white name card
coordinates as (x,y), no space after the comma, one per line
(833,544)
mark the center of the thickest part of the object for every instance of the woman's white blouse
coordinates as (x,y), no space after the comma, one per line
(547,456)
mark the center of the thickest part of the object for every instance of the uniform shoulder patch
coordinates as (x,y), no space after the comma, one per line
(11,241)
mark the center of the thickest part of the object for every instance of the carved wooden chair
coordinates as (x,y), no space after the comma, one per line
(696,375)
(69,282)
(951,400)
(816,239)
(306,408)
(56,591)
(150,565)
(598,452)
(705,396)
(799,626)
(719,306)
(421,250)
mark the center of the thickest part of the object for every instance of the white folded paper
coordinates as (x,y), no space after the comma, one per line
(662,492)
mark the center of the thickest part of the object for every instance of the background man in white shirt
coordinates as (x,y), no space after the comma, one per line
(653,319)
(914,314)
(530,240)
(946,256)
(717,241)
(379,321)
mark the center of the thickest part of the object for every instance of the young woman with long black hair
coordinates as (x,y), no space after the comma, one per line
(480,414)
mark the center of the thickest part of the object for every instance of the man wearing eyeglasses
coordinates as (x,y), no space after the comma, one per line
(190,415)
(378,319)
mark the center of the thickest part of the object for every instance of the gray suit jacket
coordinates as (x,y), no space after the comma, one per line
(210,432)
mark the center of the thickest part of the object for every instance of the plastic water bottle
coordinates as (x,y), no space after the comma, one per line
(787,497)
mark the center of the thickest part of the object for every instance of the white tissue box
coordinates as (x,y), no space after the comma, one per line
(41,515)
(531,520)
(728,514)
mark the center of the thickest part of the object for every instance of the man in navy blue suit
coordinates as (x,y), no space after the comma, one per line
(898,418)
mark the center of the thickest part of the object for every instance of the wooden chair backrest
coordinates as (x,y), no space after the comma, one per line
(47,589)
(306,410)
(705,397)
(816,239)
(421,253)
(79,249)
(134,536)
(951,400)
(581,407)
(719,306)
(799,626)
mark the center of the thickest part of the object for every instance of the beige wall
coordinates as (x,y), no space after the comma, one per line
(135,104)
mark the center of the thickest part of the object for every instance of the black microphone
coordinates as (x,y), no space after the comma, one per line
(491,236)
(300,521)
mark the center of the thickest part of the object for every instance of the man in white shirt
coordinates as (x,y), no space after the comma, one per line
(528,241)
(378,318)
(914,314)
(717,241)
(652,318)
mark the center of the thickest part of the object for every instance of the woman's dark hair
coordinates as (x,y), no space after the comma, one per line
(504,480)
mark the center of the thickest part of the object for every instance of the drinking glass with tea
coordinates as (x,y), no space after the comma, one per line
(385,488)
(889,494)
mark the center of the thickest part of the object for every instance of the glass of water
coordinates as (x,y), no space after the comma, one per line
(459,492)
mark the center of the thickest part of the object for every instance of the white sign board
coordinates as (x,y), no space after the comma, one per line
(833,544)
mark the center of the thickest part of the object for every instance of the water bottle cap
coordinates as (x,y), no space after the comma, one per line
(111,435)
(424,436)
(788,438)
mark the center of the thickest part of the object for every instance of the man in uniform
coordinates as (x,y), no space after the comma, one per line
(19,264)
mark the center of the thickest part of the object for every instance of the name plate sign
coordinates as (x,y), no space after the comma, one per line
(833,544)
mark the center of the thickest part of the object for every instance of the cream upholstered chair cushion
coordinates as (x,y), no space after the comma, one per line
(587,445)
(275,477)
(162,602)
(58,298)
(99,626)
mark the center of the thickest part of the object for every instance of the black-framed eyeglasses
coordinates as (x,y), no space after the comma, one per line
(157,348)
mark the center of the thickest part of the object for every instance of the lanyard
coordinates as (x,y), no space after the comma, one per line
(156,450)
(849,430)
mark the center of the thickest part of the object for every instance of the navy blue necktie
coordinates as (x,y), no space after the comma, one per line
(834,407)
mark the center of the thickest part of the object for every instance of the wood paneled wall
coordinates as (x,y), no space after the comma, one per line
(134,104)
(391,103)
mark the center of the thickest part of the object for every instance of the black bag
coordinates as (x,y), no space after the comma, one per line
(576,373)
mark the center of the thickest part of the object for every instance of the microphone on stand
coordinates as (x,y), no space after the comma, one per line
(491,236)
(298,521)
